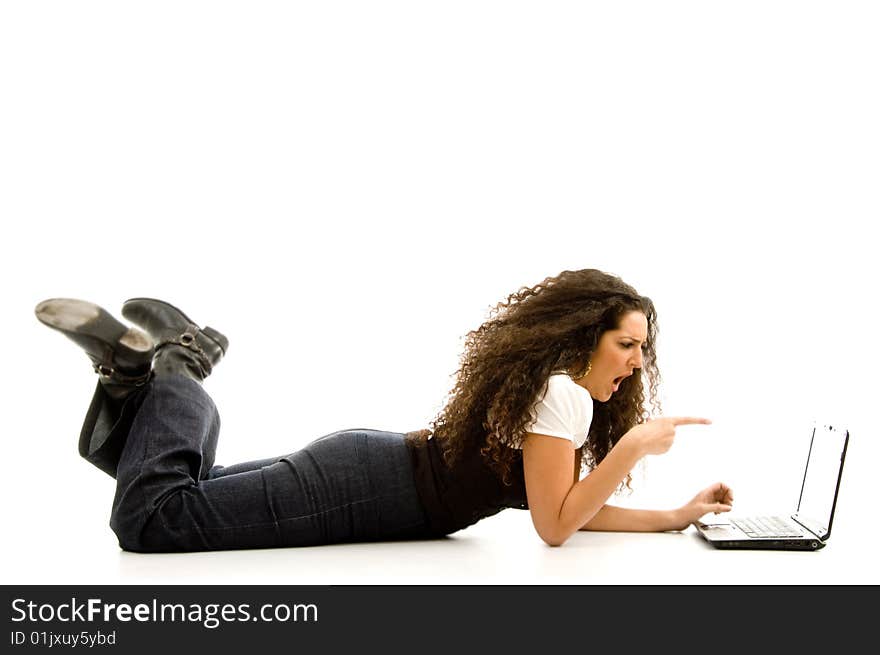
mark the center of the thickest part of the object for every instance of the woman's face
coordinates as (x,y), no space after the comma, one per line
(619,352)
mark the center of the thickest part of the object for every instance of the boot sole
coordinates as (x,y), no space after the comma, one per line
(92,327)
(66,314)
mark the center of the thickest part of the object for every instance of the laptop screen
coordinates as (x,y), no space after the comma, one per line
(821,479)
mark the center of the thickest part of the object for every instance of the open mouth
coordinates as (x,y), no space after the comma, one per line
(619,380)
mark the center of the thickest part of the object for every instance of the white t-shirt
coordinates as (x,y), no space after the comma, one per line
(565,411)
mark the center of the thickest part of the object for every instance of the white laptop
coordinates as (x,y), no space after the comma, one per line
(810,526)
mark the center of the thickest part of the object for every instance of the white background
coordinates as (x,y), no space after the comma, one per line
(346,188)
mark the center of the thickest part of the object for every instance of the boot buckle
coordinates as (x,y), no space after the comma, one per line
(103,370)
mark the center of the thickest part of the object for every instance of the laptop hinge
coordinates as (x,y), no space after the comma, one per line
(806,527)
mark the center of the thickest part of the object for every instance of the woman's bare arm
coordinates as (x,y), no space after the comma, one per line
(714,498)
(620,519)
(558,507)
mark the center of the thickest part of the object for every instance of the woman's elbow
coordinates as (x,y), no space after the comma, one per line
(553,537)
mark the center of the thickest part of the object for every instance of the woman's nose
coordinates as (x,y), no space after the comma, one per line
(636,360)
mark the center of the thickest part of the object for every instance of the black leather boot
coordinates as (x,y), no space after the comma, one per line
(182,347)
(122,357)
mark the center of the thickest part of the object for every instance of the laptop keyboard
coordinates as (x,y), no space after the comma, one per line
(763,527)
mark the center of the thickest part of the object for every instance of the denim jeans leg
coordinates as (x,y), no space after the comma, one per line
(351,485)
(347,486)
(169,449)
(243,467)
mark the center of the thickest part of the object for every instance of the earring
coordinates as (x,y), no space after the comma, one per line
(585,373)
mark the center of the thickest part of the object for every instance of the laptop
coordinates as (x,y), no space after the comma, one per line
(810,526)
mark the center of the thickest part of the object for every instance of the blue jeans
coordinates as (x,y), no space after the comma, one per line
(353,485)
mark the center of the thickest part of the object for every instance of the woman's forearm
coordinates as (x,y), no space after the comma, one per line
(587,497)
(621,519)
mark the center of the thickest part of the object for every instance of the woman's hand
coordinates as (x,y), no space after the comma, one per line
(717,498)
(655,437)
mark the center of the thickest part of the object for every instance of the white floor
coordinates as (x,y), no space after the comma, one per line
(501,550)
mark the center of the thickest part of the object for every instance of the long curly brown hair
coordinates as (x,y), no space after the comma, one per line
(551,327)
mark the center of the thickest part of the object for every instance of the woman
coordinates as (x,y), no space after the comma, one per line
(550,386)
